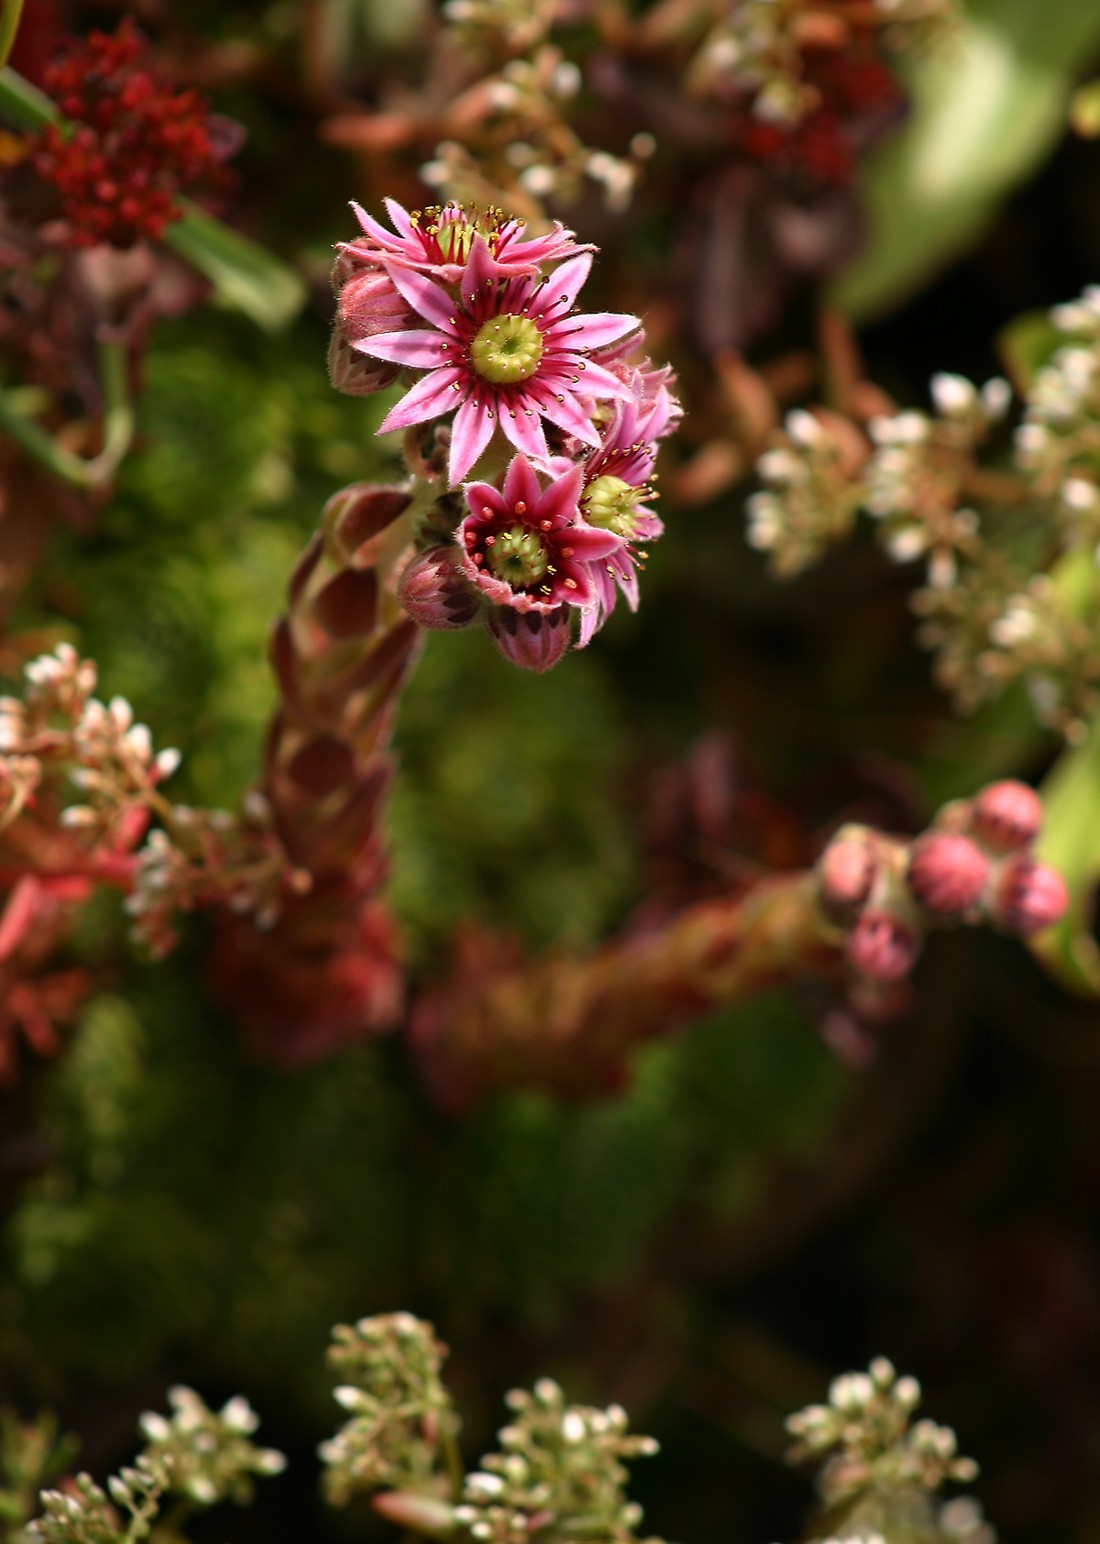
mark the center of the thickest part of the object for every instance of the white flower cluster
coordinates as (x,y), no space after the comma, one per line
(755,51)
(914,476)
(810,495)
(205,1455)
(1058,441)
(870,1444)
(59,721)
(558,1462)
(392,1387)
(198,1454)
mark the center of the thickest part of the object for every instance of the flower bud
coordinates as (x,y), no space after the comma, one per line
(533,640)
(947,873)
(357,375)
(1006,816)
(368,303)
(882,946)
(410,1509)
(371,303)
(434,591)
(845,872)
(1029,896)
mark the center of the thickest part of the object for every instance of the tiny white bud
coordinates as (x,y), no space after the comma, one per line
(573,1427)
(483,1487)
(239,1415)
(953,395)
(167,761)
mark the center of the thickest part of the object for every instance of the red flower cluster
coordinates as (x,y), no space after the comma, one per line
(130,145)
(852,86)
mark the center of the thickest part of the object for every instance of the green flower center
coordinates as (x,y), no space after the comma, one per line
(610,503)
(517,556)
(506,349)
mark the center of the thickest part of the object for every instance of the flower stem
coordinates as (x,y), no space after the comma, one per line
(118,428)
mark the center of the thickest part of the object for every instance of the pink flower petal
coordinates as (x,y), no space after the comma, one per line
(400,218)
(479,496)
(556,297)
(626,577)
(470,433)
(481,271)
(371,226)
(561,500)
(521,485)
(424,296)
(432,396)
(422,349)
(587,543)
(594,329)
(568,415)
(598,382)
(525,432)
(580,592)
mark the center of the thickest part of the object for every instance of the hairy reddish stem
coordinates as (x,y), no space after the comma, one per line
(567,1025)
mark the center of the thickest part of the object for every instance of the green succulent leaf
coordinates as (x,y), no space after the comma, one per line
(987,104)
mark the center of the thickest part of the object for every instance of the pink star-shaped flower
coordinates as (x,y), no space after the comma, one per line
(504,351)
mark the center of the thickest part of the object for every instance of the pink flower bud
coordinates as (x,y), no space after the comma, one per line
(533,640)
(434,591)
(947,873)
(409,1509)
(846,871)
(1006,816)
(881,946)
(1029,896)
(354,374)
(370,303)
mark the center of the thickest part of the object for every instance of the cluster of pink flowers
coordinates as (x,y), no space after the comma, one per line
(485,318)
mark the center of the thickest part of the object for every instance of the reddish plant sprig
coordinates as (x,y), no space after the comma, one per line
(130,144)
(857,920)
(326,969)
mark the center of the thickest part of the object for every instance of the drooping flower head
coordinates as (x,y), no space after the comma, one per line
(526,547)
(437,241)
(132,143)
(508,352)
(619,486)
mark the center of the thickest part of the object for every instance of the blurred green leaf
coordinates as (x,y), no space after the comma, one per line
(987,105)
(1084,110)
(22,104)
(1071,842)
(243,274)
(1026,344)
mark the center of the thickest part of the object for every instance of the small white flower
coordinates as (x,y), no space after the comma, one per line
(954,395)
(573,1427)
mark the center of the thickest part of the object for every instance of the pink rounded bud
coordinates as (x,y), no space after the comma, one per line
(357,375)
(947,873)
(1006,816)
(1029,896)
(881,946)
(370,303)
(845,873)
(434,591)
(533,640)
